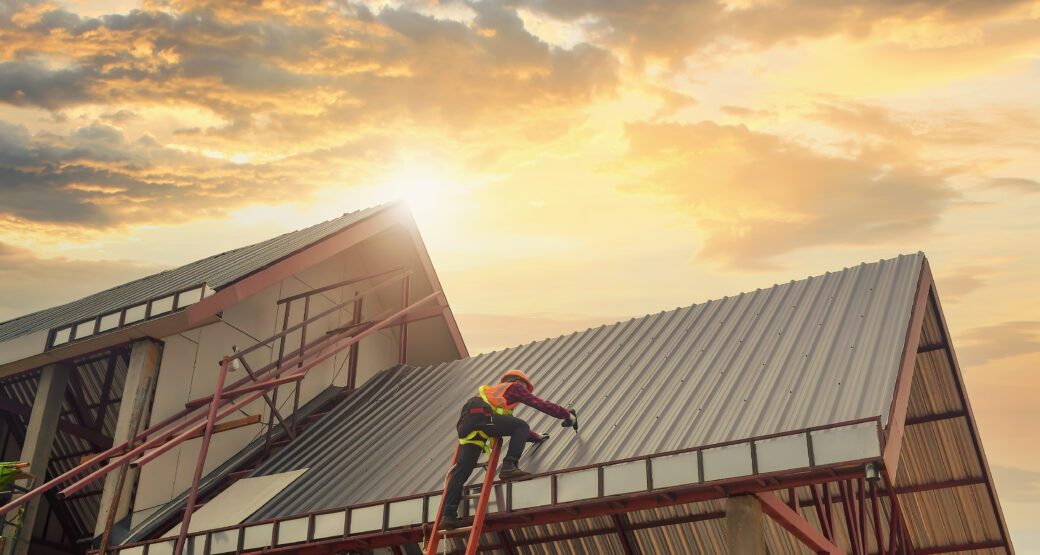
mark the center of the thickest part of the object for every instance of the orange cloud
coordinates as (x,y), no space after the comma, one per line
(756,196)
(33,283)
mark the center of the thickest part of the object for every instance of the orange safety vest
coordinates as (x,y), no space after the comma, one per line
(495,395)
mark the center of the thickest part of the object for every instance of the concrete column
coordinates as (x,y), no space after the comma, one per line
(39,438)
(141,377)
(744,531)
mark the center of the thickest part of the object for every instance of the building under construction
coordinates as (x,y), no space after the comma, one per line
(300,395)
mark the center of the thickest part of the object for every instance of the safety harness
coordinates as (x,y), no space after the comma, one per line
(492,396)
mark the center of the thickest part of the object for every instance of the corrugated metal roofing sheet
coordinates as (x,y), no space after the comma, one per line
(217,271)
(812,352)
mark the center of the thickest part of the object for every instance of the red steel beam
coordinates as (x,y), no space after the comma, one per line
(905,375)
(232,393)
(796,524)
(338,345)
(200,309)
(575,511)
(912,421)
(200,463)
(402,355)
(622,533)
(337,285)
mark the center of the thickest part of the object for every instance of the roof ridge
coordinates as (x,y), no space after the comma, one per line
(87,298)
(689,306)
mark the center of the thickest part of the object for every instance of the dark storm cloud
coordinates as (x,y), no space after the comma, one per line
(30,84)
(242,60)
(93,177)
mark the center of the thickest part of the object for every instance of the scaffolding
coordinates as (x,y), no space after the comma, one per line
(204,416)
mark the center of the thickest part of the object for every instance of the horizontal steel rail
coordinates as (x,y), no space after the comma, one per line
(249,398)
(508,516)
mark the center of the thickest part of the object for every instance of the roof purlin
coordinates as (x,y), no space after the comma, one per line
(951,355)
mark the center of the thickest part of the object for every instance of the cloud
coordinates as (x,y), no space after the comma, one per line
(980,345)
(906,132)
(756,196)
(28,84)
(671,30)
(1016,485)
(32,283)
(300,67)
(1014,184)
(963,281)
(93,177)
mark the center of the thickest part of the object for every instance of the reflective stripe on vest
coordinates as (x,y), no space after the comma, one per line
(472,439)
(495,397)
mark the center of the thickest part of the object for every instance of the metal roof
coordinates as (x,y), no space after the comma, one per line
(813,352)
(217,271)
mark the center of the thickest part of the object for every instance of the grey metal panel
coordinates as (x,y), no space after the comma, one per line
(217,271)
(812,352)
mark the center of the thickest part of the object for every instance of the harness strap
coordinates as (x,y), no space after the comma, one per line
(471,439)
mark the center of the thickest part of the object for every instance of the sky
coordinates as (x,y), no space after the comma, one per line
(569,162)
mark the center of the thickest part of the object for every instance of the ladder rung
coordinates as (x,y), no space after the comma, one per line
(455,531)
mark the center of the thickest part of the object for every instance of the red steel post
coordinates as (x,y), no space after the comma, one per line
(794,523)
(876,510)
(116,450)
(402,354)
(353,358)
(200,463)
(337,346)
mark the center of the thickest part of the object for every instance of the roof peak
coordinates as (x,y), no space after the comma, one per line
(202,270)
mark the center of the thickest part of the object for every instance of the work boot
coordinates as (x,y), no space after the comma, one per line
(510,471)
(449,522)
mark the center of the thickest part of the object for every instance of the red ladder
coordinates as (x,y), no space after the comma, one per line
(482,503)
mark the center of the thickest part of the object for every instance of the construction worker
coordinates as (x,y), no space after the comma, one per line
(489,415)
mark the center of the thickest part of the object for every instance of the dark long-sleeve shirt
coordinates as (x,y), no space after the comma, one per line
(522,395)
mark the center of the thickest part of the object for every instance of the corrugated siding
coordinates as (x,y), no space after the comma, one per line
(218,271)
(811,352)
(941,451)
(67,447)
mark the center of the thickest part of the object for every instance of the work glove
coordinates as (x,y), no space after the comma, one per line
(569,422)
(537,437)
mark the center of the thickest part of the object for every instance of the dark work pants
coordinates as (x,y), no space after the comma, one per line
(501,427)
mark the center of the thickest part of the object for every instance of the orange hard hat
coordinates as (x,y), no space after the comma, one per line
(519,375)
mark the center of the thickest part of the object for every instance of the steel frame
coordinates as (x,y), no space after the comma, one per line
(80,419)
(795,524)
(555,512)
(189,422)
(926,301)
(860,501)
